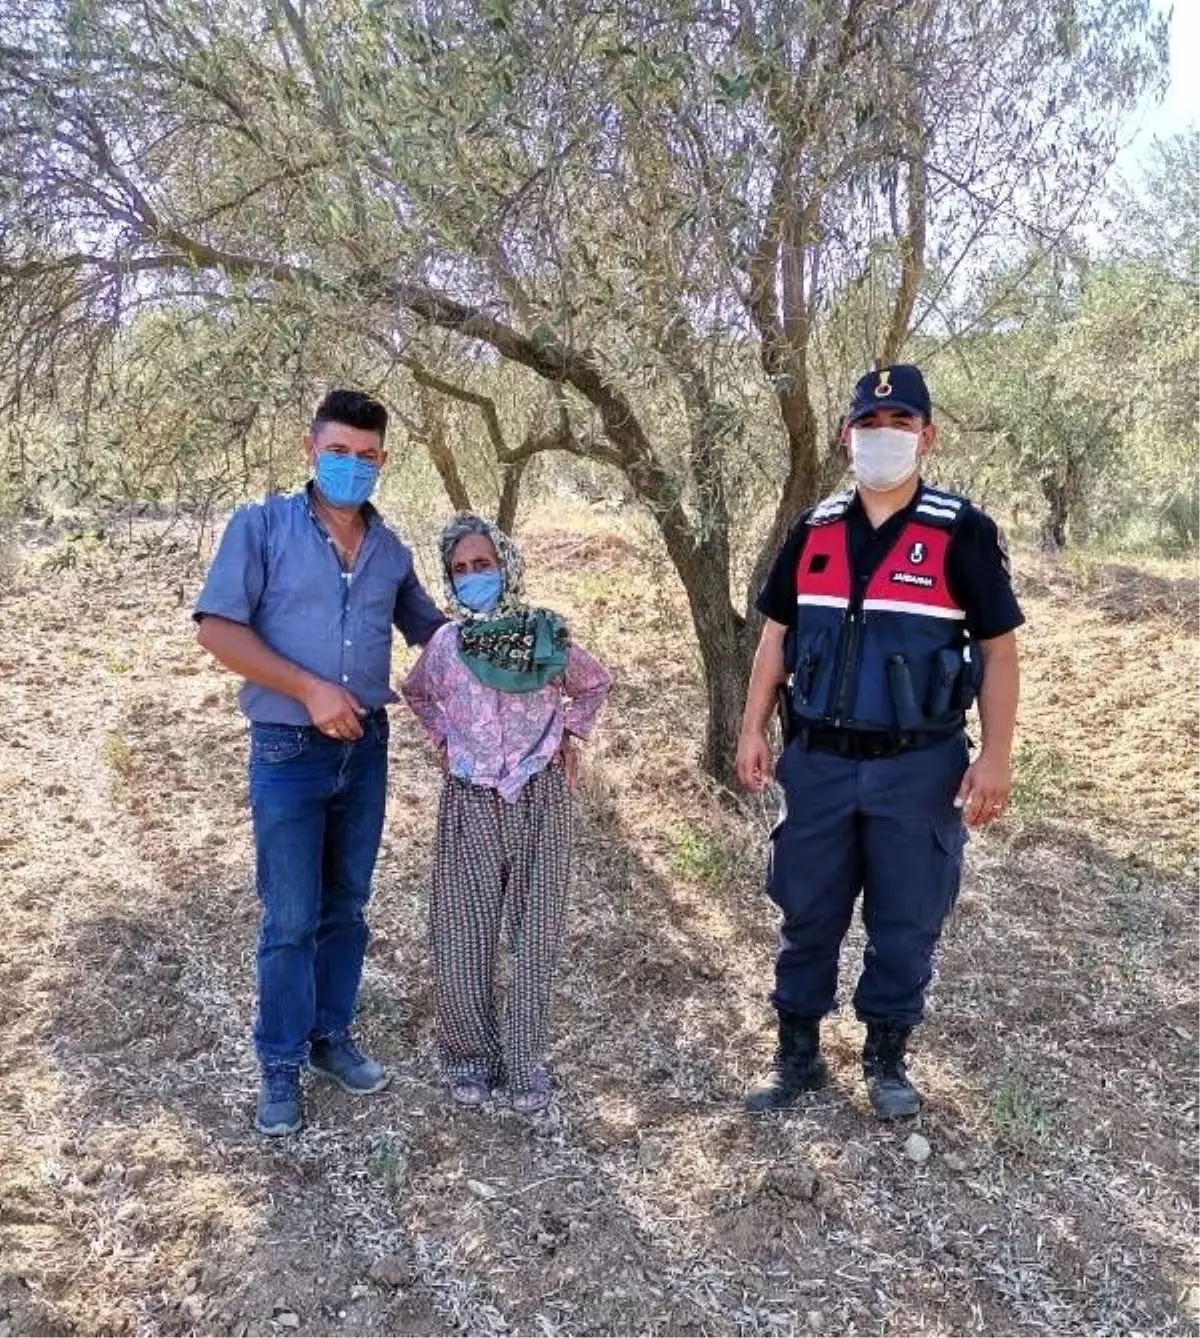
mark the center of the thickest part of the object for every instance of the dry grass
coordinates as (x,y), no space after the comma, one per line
(1058,1060)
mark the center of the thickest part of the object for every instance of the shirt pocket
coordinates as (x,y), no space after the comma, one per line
(369,626)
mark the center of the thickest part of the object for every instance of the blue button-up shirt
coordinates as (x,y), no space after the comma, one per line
(277,571)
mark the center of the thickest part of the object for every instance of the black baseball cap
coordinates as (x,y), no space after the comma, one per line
(900,386)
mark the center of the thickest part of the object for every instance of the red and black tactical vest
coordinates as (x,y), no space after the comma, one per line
(896,655)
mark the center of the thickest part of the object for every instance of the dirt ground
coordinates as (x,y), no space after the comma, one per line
(1058,1061)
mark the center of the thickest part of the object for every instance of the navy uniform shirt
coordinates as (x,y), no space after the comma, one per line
(277,572)
(976,563)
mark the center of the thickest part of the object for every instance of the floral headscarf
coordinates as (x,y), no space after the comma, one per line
(512,565)
(511,647)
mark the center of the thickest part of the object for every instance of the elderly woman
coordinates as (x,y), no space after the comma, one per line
(502,693)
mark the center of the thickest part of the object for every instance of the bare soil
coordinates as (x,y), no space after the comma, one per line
(1058,1062)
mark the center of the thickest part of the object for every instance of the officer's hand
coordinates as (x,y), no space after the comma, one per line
(334,711)
(983,794)
(753,761)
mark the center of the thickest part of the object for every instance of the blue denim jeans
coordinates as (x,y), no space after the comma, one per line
(317,805)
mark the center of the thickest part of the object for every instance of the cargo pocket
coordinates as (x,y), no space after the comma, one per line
(950,836)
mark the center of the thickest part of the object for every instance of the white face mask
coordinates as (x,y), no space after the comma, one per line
(883,457)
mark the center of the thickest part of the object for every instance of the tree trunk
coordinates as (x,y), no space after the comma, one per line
(1060,491)
(510,496)
(726,655)
(726,651)
(433,434)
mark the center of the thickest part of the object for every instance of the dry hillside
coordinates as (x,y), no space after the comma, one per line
(1059,1060)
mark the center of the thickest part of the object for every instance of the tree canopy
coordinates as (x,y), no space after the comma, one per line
(685,228)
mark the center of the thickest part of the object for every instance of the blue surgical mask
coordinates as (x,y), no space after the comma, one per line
(345,480)
(480,591)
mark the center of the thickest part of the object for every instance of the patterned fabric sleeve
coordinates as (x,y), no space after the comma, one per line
(424,688)
(586,684)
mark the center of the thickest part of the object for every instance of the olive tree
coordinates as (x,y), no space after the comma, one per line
(687,225)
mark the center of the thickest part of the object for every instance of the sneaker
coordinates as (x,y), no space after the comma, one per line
(337,1057)
(278,1110)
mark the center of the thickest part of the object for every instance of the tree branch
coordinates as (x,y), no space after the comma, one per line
(329,113)
(559,438)
(912,262)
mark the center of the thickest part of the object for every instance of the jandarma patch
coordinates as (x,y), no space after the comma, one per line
(911,578)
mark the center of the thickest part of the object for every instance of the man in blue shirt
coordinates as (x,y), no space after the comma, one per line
(300,601)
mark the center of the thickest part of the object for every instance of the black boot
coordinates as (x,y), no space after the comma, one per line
(799,1065)
(892,1095)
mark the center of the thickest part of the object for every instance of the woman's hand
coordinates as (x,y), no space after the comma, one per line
(568,755)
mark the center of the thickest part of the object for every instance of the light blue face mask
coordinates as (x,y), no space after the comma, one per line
(480,591)
(345,480)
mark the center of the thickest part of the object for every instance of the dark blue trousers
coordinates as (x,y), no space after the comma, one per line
(886,828)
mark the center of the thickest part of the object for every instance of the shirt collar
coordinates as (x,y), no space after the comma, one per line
(857,509)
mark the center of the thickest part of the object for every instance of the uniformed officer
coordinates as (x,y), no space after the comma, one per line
(889,611)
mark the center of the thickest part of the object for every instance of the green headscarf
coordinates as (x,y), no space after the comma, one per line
(512,648)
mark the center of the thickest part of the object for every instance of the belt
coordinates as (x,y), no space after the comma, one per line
(374,715)
(864,745)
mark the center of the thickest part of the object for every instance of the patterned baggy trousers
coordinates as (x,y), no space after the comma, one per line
(500,876)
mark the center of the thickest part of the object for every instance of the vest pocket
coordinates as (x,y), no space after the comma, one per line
(903,694)
(947,671)
(969,680)
(810,653)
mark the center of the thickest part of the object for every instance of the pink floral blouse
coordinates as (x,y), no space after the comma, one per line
(500,739)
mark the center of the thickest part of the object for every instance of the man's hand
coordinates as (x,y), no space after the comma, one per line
(334,711)
(767,675)
(983,794)
(753,760)
(568,753)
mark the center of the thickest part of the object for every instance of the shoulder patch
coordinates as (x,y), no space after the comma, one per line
(943,494)
(935,507)
(831,508)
